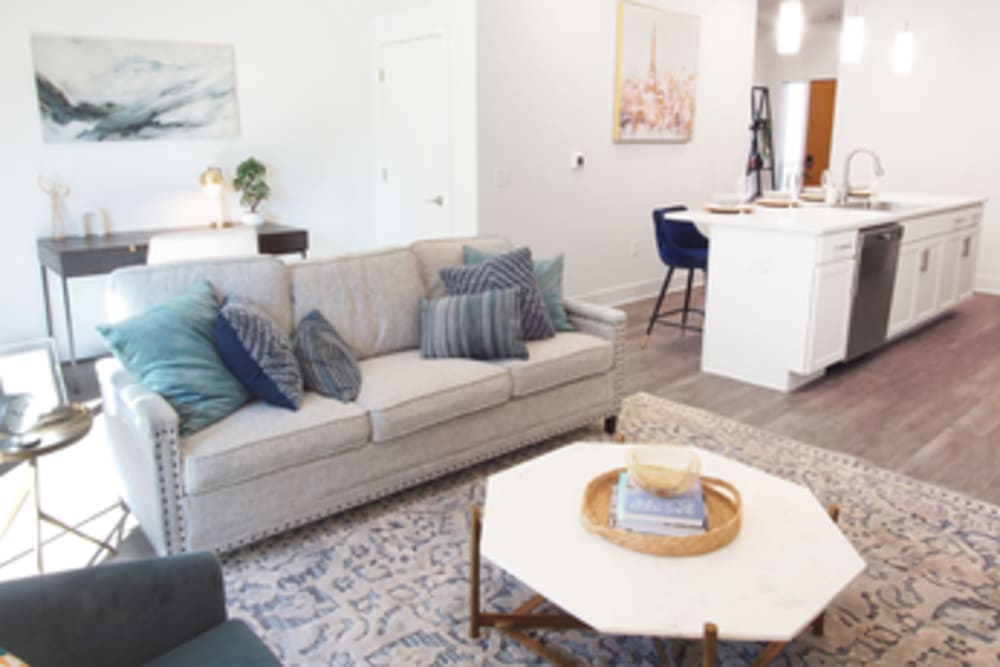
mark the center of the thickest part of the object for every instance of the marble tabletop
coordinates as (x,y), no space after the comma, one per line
(786,565)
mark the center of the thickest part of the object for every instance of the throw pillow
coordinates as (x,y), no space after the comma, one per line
(549,273)
(328,364)
(258,353)
(170,350)
(512,269)
(477,326)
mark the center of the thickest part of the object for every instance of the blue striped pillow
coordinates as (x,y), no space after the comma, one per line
(548,272)
(328,365)
(486,325)
(512,269)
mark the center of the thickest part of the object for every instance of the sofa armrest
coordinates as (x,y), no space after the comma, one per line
(144,442)
(116,614)
(607,323)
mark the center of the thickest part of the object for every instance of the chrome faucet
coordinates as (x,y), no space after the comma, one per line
(879,171)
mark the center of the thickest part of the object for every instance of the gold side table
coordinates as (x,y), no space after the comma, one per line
(63,428)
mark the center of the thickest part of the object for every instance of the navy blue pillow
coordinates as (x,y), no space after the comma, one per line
(255,349)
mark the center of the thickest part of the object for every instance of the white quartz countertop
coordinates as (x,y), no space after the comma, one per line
(819,219)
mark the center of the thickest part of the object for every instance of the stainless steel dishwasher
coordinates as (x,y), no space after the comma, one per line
(875,280)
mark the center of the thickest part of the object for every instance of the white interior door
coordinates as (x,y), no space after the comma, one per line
(413,196)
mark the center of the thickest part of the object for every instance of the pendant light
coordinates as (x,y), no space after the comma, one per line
(902,53)
(789,28)
(852,38)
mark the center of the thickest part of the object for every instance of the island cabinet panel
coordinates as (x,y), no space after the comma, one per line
(902,313)
(947,287)
(833,293)
(928,274)
(968,252)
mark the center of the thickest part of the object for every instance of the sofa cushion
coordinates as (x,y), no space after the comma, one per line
(328,364)
(549,273)
(261,438)
(512,269)
(404,393)
(170,349)
(259,281)
(437,254)
(230,644)
(371,299)
(556,361)
(258,353)
(475,326)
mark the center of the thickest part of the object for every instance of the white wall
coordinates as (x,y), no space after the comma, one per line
(935,128)
(546,87)
(304,85)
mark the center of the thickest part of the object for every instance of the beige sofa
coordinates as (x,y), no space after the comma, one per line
(265,469)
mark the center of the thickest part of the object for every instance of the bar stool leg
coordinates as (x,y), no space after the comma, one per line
(656,309)
(687,300)
(36,495)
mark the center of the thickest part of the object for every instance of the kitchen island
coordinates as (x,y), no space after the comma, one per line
(782,283)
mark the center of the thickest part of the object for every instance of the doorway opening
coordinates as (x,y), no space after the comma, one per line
(806,130)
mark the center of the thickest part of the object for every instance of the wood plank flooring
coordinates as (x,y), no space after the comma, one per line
(927,405)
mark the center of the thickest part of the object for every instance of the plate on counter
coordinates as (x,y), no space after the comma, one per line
(778,203)
(737,208)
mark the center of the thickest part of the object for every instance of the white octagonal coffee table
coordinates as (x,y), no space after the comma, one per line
(779,574)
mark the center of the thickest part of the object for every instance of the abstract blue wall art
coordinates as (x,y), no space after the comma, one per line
(122,90)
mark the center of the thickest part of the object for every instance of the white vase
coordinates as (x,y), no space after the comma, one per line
(251,218)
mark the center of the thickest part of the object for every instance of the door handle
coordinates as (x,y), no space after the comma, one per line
(966,246)
(437,201)
(925,257)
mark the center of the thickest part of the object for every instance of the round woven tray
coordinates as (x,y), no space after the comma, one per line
(722,500)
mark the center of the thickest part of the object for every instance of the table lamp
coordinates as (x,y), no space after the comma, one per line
(211,183)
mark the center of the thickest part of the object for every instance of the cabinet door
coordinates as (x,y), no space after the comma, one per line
(947,287)
(928,270)
(967,255)
(833,293)
(901,313)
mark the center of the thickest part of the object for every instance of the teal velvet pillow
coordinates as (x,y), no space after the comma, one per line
(171,350)
(549,273)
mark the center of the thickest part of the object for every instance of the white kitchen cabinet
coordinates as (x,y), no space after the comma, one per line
(947,284)
(901,313)
(925,304)
(830,314)
(968,251)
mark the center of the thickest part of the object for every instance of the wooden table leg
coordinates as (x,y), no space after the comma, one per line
(477,529)
(710,645)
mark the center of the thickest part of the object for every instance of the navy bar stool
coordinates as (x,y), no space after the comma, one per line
(681,246)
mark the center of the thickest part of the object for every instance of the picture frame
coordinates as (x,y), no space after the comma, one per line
(32,367)
(656,74)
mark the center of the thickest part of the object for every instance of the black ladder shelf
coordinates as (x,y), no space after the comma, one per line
(761,156)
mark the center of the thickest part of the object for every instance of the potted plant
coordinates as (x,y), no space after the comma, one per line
(253,188)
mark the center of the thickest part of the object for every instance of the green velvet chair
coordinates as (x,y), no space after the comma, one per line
(159,611)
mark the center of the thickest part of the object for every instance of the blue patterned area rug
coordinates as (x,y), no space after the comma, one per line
(387,584)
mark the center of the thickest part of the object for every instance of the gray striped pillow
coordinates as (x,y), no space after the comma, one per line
(486,325)
(329,367)
(512,269)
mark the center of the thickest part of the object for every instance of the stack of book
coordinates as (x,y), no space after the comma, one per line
(639,511)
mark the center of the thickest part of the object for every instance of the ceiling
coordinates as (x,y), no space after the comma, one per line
(815,10)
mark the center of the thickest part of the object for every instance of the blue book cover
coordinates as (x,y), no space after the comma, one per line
(687,508)
(649,526)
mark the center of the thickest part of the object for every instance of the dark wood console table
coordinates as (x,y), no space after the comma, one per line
(76,256)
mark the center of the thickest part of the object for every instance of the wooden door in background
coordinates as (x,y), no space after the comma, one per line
(819,130)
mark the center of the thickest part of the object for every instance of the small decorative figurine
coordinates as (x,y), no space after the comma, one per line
(57,192)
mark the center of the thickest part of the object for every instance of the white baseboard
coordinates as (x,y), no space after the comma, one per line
(644,289)
(988,284)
